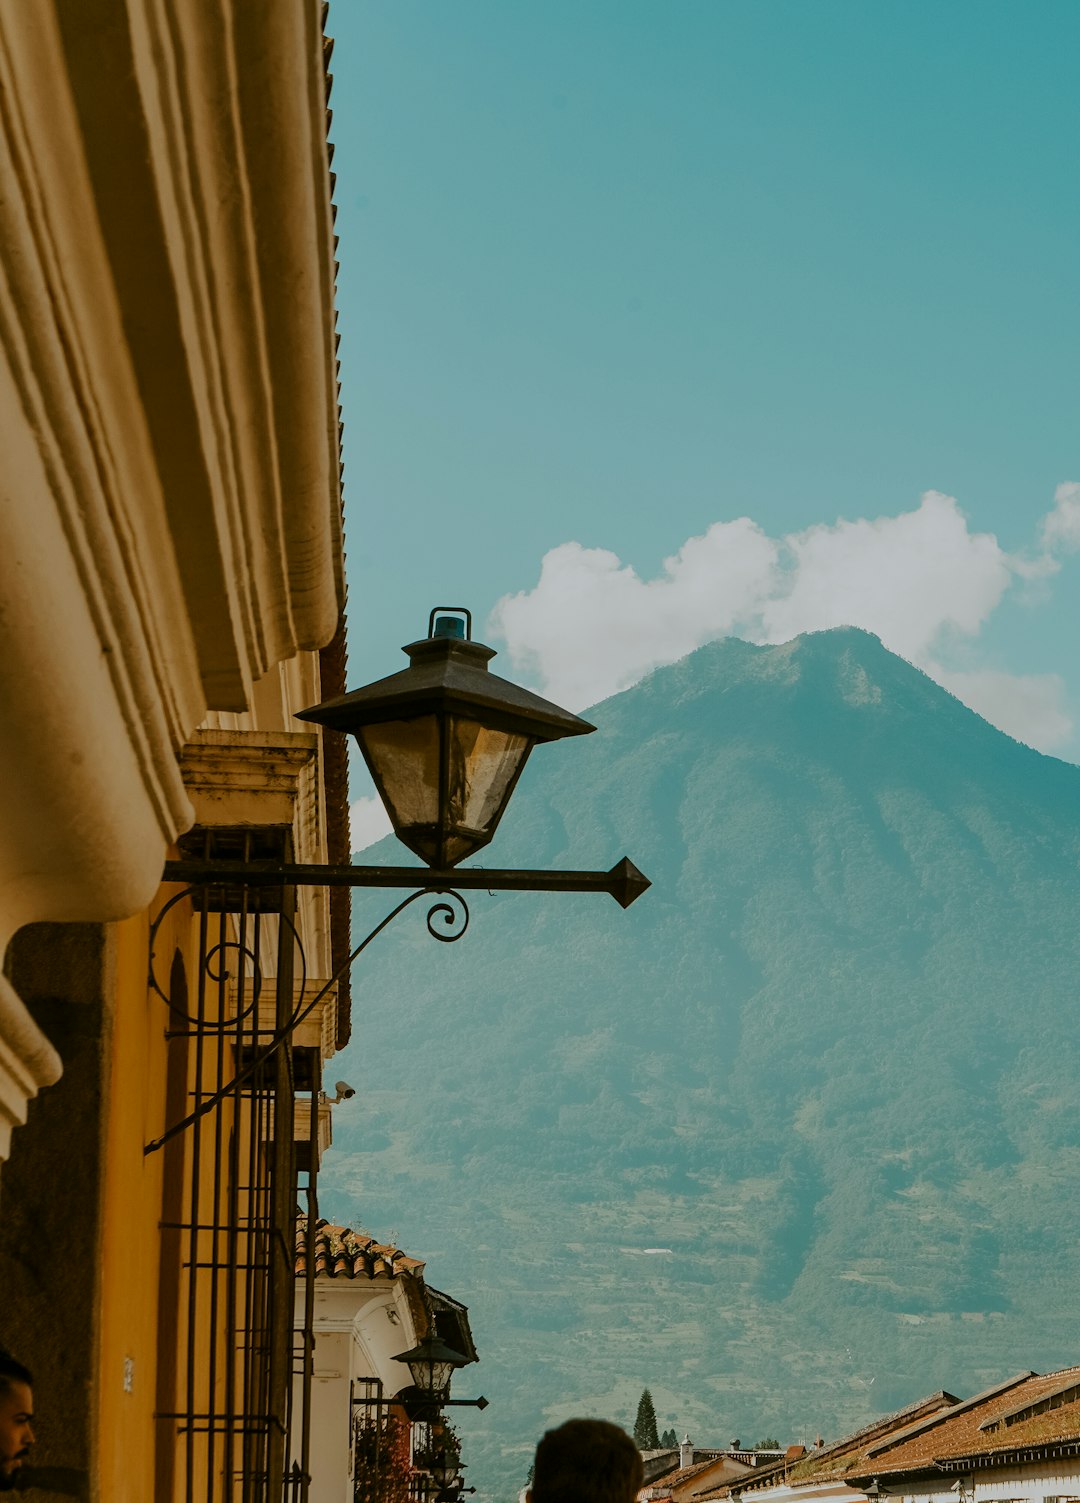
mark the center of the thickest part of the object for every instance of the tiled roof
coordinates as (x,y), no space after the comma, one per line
(933,1421)
(662,1486)
(840,1456)
(681,1474)
(341,1253)
(975,1428)
(1066,1388)
(768,1471)
(960,1434)
(729,1485)
(772,1470)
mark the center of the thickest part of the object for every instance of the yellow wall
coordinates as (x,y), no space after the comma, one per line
(146,1283)
(160,1323)
(131,1243)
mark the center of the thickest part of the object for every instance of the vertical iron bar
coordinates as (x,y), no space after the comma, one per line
(256,1291)
(309,1285)
(253,1335)
(380,1421)
(283,1237)
(234,1210)
(215,1213)
(443,810)
(193,1211)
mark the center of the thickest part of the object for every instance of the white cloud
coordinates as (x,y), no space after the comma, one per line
(1027,706)
(906,578)
(1060,529)
(920,581)
(592,626)
(368,822)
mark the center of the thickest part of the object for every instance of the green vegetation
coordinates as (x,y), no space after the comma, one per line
(795,1139)
(646,1437)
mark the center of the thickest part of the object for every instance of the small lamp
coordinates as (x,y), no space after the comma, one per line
(445,740)
(446,1472)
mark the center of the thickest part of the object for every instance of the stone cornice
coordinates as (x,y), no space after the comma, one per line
(210,115)
(238,762)
(152,567)
(86,549)
(27,1062)
(258,778)
(317,1030)
(267,778)
(302,1124)
(170,499)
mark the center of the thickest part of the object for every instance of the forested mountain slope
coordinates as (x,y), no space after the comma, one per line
(794,1139)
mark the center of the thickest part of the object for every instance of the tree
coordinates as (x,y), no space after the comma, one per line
(669,1440)
(645,1436)
(767,1445)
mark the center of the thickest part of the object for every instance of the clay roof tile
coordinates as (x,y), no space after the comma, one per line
(341,1252)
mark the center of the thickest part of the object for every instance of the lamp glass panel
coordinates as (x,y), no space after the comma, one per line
(483,765)
(432,1377)
(404,755)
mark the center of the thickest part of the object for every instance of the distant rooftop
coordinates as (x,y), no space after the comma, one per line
(1029,1413)
(341,1253)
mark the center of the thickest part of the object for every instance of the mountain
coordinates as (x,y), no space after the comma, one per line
(793,1140)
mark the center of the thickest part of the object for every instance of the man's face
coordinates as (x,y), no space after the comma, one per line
(16,1434)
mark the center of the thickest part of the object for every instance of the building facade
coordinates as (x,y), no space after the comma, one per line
(368,1441)
(171,593)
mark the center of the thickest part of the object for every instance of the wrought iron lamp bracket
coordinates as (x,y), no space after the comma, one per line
(624,881)
(445,922)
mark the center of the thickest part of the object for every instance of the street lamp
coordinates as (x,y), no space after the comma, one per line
(445,740)
(447,1482)
(432,1364)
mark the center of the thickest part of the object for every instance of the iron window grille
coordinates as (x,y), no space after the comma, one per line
(227,1431)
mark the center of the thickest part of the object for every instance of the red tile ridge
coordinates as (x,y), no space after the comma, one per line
(341,1252)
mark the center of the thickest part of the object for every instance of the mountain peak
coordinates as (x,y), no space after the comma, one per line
(839,665)
(828,1061)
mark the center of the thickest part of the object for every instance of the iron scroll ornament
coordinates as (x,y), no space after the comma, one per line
(447,920)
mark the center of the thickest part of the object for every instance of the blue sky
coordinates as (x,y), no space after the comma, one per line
(617,273)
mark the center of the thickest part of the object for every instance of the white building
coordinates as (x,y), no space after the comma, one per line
(371,1304)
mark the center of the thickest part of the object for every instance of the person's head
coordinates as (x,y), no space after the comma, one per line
(586,1461)
(16,1414)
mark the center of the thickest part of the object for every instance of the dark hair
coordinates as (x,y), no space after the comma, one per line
(12,1372)
(587,1461)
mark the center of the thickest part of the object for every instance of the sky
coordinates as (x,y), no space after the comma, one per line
(664,320)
